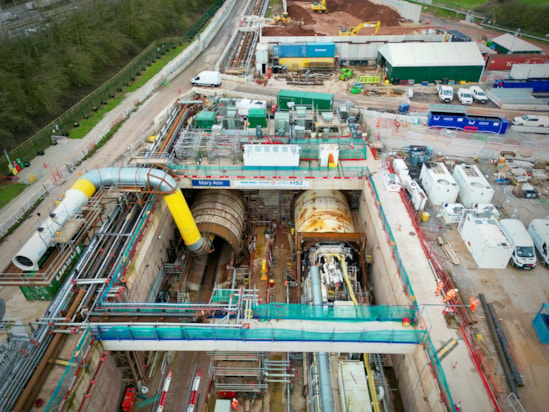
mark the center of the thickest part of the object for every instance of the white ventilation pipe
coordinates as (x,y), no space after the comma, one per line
(77,196)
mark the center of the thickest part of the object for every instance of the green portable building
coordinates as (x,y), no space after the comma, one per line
(288,99)
(257,117)
(509,44)
(205,120)
(431,62)
(49,291)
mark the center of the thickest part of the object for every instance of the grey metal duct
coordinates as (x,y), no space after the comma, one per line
(323,358)
(77,197)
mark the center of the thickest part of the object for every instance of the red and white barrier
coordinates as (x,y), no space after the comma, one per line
(194,393)
(165,391)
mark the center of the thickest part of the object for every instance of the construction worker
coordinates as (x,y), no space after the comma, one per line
(440,285)
(473,303)
(450,295)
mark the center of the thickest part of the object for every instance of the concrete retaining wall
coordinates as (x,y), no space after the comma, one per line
(417,386)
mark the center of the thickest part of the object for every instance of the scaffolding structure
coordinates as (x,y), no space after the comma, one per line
(196,145)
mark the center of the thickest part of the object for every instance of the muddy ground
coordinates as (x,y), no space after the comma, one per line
(340,14)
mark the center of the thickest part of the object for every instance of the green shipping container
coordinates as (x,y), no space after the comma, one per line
(257,117)
(48,292)
(287,99)
(205,120)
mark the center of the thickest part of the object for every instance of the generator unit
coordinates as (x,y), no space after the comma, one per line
(473,186)
(438,183)
(486,241)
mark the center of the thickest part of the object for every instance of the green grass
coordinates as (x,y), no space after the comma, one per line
(10,191)
(86,125)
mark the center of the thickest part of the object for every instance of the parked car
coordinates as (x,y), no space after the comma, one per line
(531,120)
(465,96)
(478,94)
(8,16)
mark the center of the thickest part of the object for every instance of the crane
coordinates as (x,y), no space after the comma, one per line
(319,6)
(354,30)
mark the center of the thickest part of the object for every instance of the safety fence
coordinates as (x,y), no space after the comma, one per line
(64,124)
(463,316)
(430,350)
(382,313)
(383,126)
(67,380)
(135,332)
(267,173)
(37,194)
(43,139)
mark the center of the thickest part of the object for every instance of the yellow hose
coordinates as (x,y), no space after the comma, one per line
(369,374)
(182,217)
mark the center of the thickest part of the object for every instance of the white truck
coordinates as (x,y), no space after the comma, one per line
(524,254)
(445,93)
(478,94)
(465,96)
(539,231)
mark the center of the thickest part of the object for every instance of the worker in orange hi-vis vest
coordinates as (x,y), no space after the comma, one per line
(450,295)
(473,303)
(440,285)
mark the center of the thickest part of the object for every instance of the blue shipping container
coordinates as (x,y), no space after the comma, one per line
(320,49)
(292,50)
(537,85)
(470,123)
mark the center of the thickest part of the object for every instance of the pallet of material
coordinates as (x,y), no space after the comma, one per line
(450,253)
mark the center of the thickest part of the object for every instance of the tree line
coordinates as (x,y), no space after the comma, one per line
(514,14)
(44,72)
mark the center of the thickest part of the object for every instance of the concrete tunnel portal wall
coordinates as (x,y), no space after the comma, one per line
(221,213)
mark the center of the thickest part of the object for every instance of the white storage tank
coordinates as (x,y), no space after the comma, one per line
(271,155)
(473,186)
(486,241)
(438,183)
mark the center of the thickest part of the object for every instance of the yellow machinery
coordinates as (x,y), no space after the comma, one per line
(319,6)
(282,20)
(354,30)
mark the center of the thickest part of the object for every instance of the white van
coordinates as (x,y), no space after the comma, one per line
(524,254)
(207,78)
(539,231)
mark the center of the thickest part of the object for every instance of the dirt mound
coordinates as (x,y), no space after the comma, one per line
(298,13)
(340,14)
(366,11)
(291,30)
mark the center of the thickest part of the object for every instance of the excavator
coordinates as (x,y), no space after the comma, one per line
(283,19)
(354,30)
(319,6)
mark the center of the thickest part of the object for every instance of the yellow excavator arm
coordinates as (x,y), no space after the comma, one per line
(354,30)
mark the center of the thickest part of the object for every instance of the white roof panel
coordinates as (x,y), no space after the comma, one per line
(432,54)
(515,44)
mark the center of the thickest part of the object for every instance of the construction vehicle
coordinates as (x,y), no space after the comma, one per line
(319,6)
(283,19)
(345,73)
(354,30)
